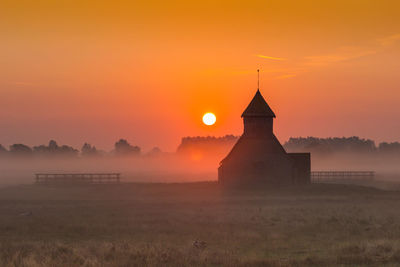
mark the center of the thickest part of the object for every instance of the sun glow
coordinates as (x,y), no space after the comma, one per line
(209,118)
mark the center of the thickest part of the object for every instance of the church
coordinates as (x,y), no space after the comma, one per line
(258,157)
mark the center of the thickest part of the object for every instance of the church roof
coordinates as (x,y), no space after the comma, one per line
(255,149)
(258,107)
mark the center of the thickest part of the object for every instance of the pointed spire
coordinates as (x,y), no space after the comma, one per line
(258,107)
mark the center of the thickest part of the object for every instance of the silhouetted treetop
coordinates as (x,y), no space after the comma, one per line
(53,149)
(88,150)
(20,150)
(123,148)
(206,144)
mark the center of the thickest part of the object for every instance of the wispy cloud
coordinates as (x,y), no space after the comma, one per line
(272,58)
(293,68)
(389,40)
(344,53)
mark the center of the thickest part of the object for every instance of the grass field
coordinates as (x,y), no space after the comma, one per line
(198,224)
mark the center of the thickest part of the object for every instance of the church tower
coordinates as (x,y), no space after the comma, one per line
(258,117)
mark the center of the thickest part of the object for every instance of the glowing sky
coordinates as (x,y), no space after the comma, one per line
(96,71)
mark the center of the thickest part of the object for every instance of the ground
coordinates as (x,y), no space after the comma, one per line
(198,224)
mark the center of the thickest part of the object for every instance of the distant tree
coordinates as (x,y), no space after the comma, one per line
(53,145)
(154,152)
(206,144)
(40,150)
(68,151)
(89,151)
(123,148)
(20,150)
(3,151)
(389,148)
(53,149)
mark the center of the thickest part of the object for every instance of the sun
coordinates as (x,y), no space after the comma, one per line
(209,118)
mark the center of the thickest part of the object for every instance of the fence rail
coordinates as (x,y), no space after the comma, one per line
(77,178)
(324,176)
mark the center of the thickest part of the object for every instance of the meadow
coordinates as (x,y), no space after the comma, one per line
(199,224)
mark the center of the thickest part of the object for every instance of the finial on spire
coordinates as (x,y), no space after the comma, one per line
(258,79)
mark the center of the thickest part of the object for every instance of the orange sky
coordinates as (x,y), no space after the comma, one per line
(96,71)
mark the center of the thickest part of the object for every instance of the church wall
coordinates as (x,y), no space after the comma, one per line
(273,169)
(302,167)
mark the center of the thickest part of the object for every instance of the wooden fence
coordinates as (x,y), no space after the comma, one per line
(326,176)
(77,178)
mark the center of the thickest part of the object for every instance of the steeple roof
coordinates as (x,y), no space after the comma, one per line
(258,107)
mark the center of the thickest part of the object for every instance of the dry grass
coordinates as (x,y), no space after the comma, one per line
(198,225)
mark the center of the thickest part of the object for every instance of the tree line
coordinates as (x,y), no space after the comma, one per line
(208,145)
(121,148)
(332,145)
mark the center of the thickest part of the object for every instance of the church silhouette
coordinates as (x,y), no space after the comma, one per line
(258,157)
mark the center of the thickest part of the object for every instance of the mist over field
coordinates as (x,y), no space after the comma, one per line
(161,169)
(196,159)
